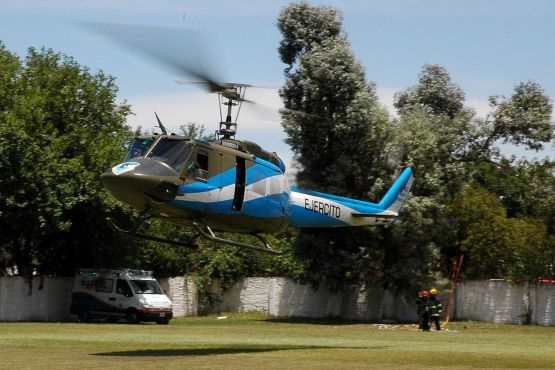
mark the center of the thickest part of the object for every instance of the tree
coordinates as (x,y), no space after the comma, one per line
(60,128)
(526,189)
(448,148)
(333,120)
(435,93)
(496,246)
(435,134)
(303,26)
(194,130)
(431,136)
(524,119)
(339,133)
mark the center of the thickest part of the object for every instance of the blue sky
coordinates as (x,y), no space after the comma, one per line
(487,46)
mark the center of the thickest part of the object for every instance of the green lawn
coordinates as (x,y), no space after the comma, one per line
(259,342)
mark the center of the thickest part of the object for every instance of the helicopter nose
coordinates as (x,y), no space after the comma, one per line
(137,181)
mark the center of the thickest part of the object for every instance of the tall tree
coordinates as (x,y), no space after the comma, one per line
(60,128)
(338,131)
(334,122)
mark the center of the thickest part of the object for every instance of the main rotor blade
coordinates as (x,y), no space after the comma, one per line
(183,51)
(228,85)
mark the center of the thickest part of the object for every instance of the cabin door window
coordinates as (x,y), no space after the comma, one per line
(198,169)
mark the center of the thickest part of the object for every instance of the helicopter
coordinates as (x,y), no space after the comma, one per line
(226,184)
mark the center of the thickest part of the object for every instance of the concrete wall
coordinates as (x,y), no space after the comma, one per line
(543,304)
(489,301)
(495,301)
(183,294)
(278,297)
(502,302)
(48,300)
(372,303)
(284,297)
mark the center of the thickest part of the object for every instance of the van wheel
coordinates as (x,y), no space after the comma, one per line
(132,317)
(84,316)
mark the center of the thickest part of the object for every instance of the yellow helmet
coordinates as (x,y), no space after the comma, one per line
(433,291)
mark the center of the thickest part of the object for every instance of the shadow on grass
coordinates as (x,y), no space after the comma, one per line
(316,321)
(219,351)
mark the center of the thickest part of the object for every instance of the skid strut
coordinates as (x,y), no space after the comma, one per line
(210,236)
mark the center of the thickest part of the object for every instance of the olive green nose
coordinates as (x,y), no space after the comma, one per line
(137,181)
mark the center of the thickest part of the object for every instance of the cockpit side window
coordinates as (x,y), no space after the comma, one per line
(139,148)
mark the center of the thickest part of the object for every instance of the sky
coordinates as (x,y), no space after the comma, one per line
(487,46)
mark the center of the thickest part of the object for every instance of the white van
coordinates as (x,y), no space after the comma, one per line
(133,295)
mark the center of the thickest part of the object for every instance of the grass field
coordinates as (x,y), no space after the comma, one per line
(258,342)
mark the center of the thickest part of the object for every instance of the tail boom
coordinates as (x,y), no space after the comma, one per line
(314,209)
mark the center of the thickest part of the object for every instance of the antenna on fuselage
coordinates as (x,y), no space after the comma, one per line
(160,125)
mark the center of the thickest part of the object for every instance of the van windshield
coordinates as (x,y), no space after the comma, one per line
(145,287)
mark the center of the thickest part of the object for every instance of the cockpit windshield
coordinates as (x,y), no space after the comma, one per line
(139,148)
(172,152)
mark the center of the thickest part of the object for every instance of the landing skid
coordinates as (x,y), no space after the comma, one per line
(208,235)
(150,237)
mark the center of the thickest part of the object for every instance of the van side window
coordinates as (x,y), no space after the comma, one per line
(104,285)
(122,287)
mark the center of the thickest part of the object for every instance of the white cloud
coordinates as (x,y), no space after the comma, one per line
(385,96)
(481,106)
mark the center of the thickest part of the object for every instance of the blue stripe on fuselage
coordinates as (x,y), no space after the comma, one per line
(263,207)
(254,174)
(220,180)
(270,165)
(259,172)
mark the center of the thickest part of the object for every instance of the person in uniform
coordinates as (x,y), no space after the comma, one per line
(423,310)
(435,308)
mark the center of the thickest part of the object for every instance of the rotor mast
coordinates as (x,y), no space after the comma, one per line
(235,96)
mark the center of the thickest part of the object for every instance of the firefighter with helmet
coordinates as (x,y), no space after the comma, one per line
(423,310)
(435,308)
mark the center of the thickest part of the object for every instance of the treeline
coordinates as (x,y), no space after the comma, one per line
(60,128)
(469,198)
